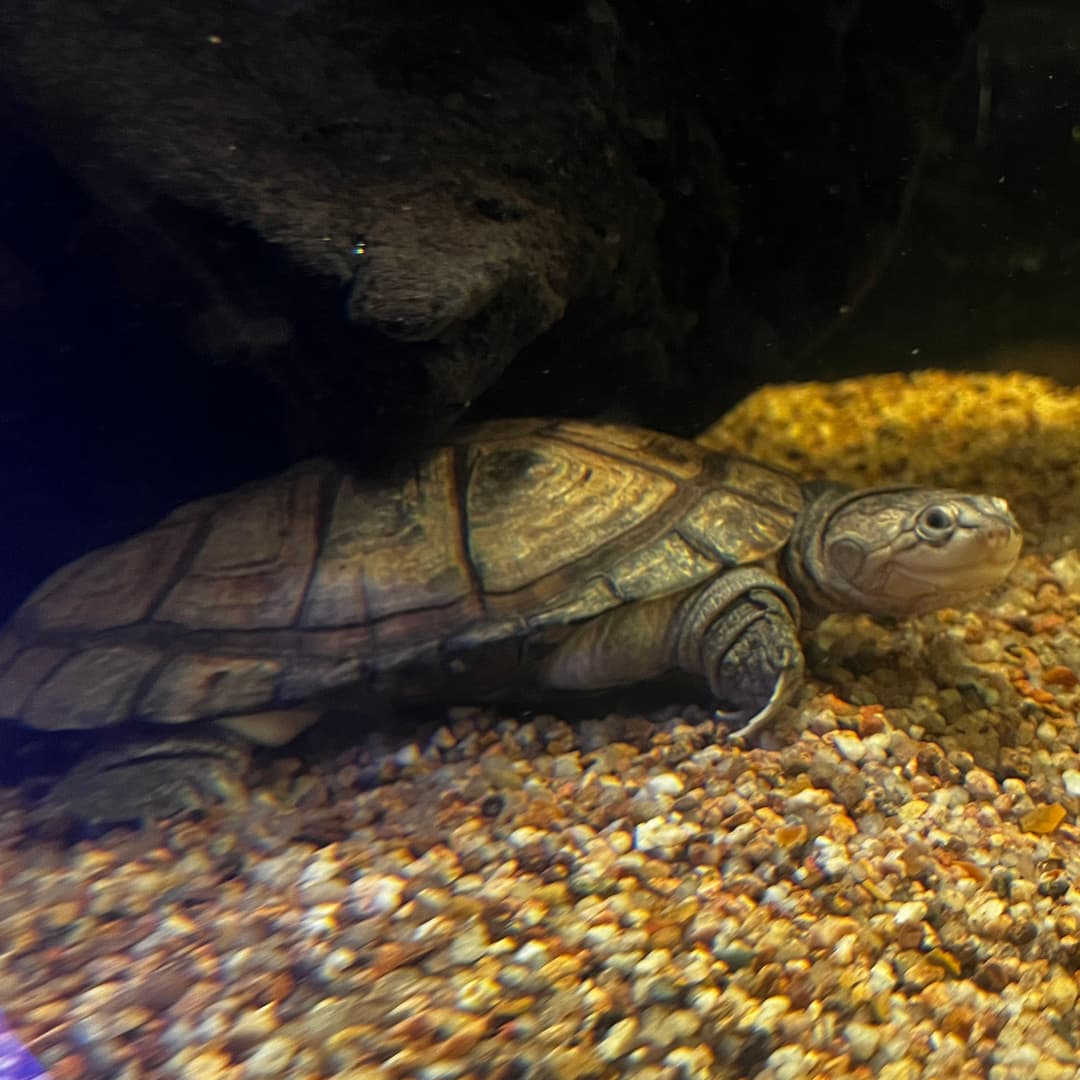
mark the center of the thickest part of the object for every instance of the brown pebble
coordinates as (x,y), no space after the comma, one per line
(916,970)
(993,976)
(945,960)
(870,720)
(1060,675)
(70,1067)
(790,836)
(466,1035)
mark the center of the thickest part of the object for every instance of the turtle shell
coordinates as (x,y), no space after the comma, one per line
(267,597)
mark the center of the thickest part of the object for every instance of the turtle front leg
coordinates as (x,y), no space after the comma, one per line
(740,630)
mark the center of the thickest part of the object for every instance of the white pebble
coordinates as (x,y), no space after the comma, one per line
(478,995)
(532,954)
(272,1058)
(335,962)
(981,784)
(788,1063)
(523,836)
(862,1040)
(882,978)
(691,1061)
(985,914)
(1067,570)
(320,920)
(469,944)
(320,869)
(1071,779)
(665,783)
(849,745)
(442,1070)
(914,911)
(767,1015)
(618,1040)
(666,1028)
(375,894)
(663,837)
(408,755)
(844,950)
(653,961)
(832,858)
(601,936)
(809,798)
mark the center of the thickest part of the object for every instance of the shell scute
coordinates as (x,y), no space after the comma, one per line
(665,453)
(252,568)
(732,529)
(29,669)
(114,587)
(390,549)
(535,508)
(195,685)
(93,688)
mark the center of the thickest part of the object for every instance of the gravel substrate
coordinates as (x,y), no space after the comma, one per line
(882,887)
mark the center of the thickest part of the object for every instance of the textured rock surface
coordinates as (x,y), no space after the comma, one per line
(379,207)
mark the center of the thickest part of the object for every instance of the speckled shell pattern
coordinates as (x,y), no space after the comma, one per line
(269,596)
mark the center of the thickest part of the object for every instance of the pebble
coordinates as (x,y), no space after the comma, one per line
(849,744)
(662,837)
(789,1063)
(981,785)
(618,1039)
(766,1015)
(901,1070)
(862,1039)
(477,995)
(408,755)
(376,894)
(443,738)
(665,1027)
(665,783)
(1060,992)
(1067,570)
(914,911)
(692,1062)
(272,1058)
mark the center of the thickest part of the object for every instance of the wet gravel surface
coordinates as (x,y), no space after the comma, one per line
(882,886)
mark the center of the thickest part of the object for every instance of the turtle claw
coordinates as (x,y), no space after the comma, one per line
(788,682)
(741,631)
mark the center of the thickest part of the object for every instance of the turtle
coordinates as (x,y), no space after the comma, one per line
(540,556)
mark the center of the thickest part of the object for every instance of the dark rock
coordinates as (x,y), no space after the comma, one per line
(235,234)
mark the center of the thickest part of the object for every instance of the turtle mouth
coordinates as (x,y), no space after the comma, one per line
(930,579)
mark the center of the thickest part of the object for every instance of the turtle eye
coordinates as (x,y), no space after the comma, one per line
(936,524)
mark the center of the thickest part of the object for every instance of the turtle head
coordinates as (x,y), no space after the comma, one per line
(899,551)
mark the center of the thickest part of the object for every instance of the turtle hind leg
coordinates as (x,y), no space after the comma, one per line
(740,631)
(142,775)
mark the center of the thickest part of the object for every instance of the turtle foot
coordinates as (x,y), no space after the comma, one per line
(142,778)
